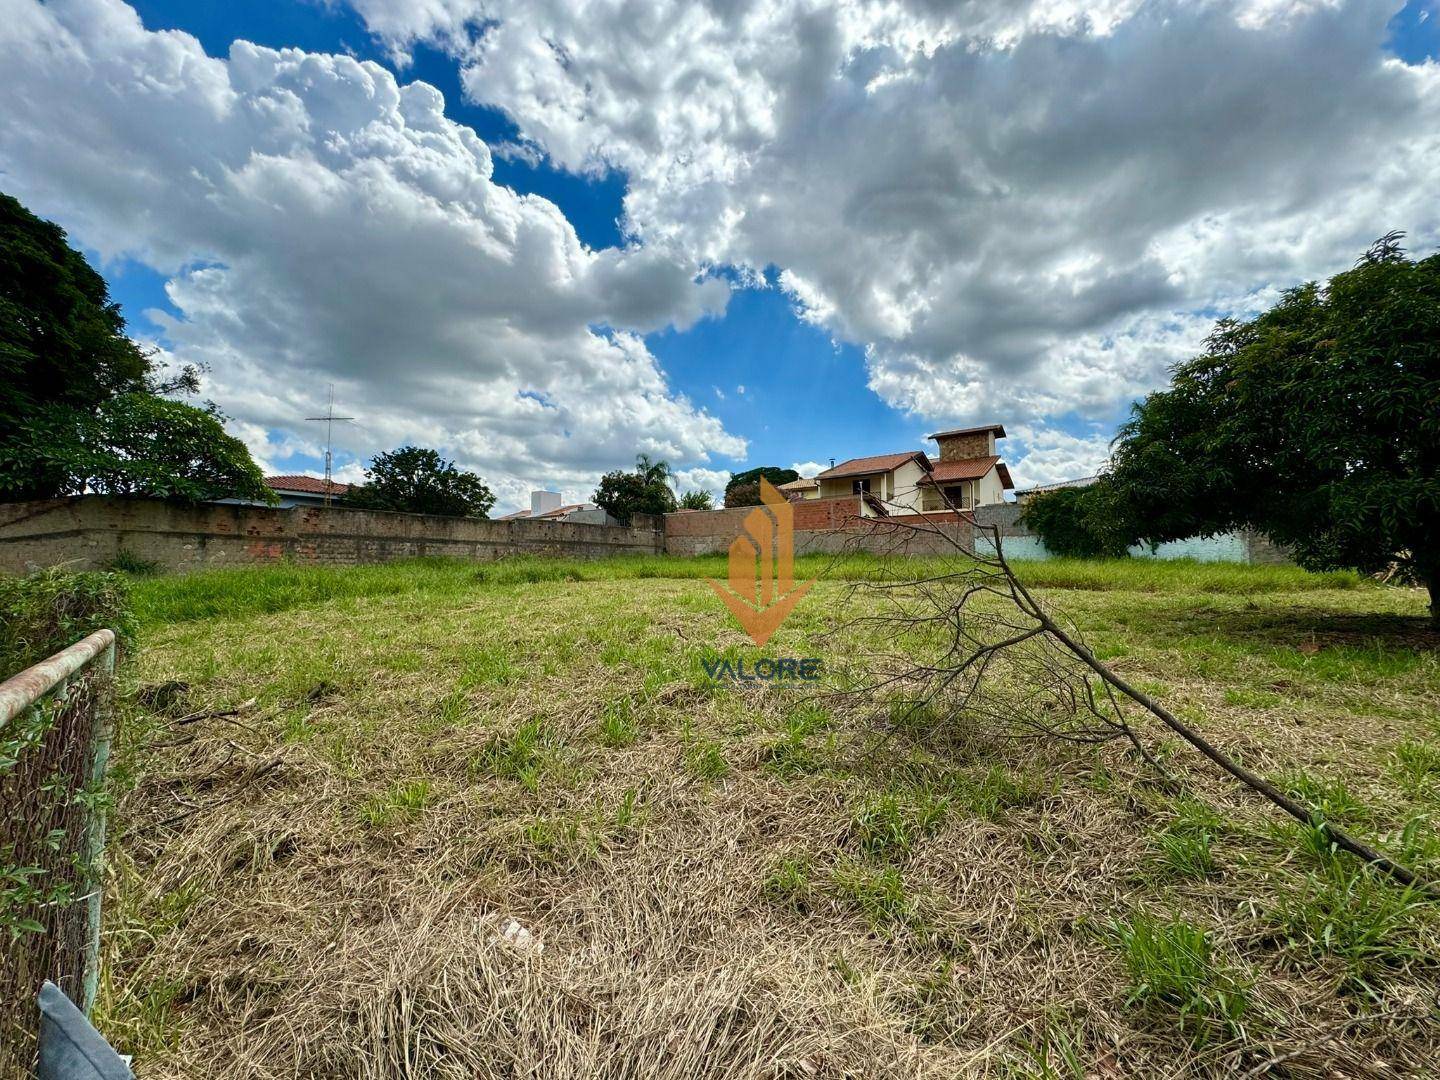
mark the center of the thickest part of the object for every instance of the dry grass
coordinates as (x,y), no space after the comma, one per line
(722,880)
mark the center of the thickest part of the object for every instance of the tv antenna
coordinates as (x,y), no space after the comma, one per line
(329,419)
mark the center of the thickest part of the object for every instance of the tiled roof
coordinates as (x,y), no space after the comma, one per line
(998,429)
(803,484)
(512,517)
(954,472)
(948,472)
(879,463)
(311,485)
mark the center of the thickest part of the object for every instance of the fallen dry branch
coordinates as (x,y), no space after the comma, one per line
(1005,660)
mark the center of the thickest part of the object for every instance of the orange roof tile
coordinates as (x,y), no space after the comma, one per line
(312,485)
(878,463)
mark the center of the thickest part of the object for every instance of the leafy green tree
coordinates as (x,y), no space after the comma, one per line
(744,487)
(416,480)
(81,405)
(1316,423)
(1076,523)
(645,491)
(697,500)
(166,449)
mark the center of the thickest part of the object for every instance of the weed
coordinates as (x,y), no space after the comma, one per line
(1056,1055)
(1416,764)
(893,824)
(521,756)
(997,790)
(1332,799)
(487,667)
(1172,963)
(706,760)
(551,836)
(127,562)
(617,724)
(1185,842)
(626,813)
(931,1005)
(404,800)
(1346,910)
(790,753)
(788,884)
(877,893)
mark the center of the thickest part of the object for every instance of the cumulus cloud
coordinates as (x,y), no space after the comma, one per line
(1019,210)
(702,479)
(1047,455)
(808,468)
(321,223)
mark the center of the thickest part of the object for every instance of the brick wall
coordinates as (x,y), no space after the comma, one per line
(821,525)
(89,531)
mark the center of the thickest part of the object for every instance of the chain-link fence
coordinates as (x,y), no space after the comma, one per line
(56,721)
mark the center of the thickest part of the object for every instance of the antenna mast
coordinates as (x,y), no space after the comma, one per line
(329,419)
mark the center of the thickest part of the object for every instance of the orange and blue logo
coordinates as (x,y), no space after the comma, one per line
(762,592)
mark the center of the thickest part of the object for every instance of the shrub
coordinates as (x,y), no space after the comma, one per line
(46,611)
(1076,523)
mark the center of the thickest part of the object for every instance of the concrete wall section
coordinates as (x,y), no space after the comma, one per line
(90,531)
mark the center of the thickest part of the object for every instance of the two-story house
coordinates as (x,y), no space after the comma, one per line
(966,472)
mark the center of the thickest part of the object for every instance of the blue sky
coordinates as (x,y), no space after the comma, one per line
(970,238)
(744,367)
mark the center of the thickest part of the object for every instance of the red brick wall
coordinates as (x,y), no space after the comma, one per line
(838,513)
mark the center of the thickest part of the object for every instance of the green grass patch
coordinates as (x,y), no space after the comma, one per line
(878,893)
(402,802)
(891,824)
(1172,966)
(252,590)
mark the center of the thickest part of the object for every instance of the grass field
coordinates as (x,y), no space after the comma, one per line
(496,820)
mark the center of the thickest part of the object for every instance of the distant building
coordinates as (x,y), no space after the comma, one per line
(1024,495)
(546,505)
(300,491)
(804,488)
(966,473)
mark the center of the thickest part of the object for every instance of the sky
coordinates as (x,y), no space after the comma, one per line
(545,235)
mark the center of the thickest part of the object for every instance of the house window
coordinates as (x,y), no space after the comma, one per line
(861,486)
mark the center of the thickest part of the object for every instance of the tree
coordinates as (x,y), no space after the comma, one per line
(166,449)
(415,480)
(744,487)
(1314,423)
(81,405)
(697,500)
(653,472)
(1076,522)
(644,491)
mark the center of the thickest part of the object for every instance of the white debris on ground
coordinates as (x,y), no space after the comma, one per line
(515,934)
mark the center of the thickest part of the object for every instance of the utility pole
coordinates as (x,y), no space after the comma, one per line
(329,419)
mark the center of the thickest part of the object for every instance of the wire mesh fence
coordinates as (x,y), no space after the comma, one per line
(56,721)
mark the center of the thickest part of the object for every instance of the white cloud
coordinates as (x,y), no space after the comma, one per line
(701,479)
(321,223)
(1020,210)
(1047,455)
(808,468)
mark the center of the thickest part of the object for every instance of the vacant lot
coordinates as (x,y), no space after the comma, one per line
(496,820)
